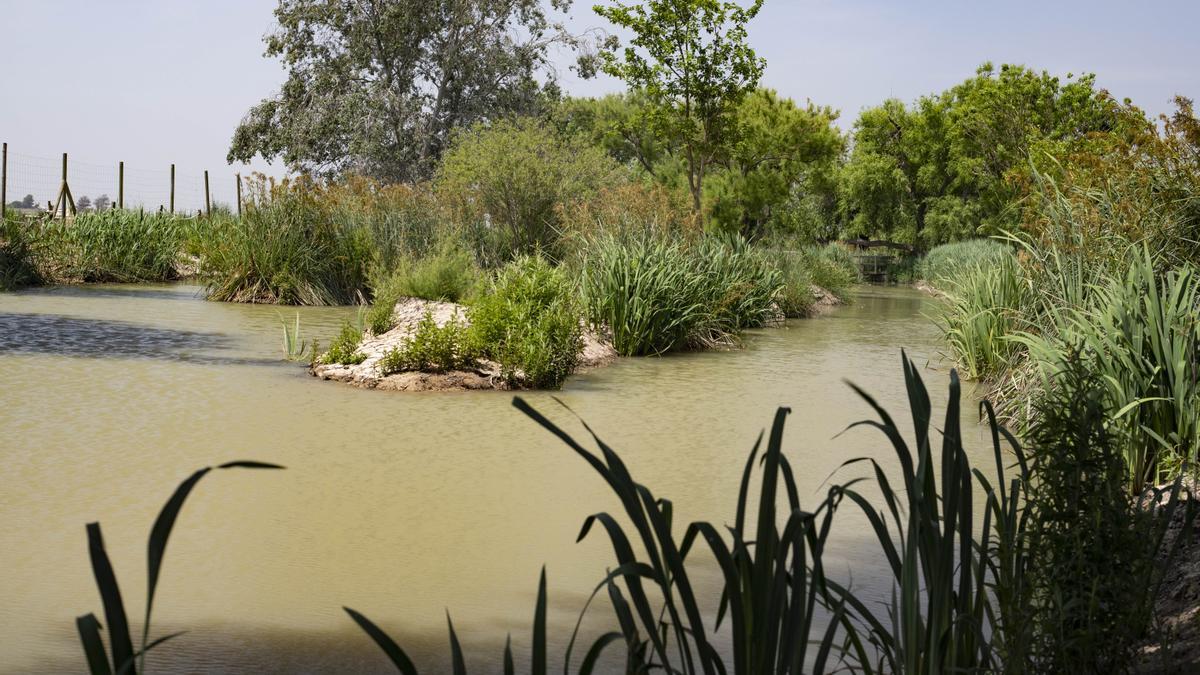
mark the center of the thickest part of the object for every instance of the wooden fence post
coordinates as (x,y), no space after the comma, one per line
(121,185)
(239,193)
(64,193)
(4,184)
(172,189)
(207,198)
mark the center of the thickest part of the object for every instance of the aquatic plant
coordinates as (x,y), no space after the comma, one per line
(295,348)
(120,658)
(287,249)
(948,263)
(118,245)
(982,313)
(1139,332)
(658,295)
(344,348)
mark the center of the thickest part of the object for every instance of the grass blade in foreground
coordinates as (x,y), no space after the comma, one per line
(123,655)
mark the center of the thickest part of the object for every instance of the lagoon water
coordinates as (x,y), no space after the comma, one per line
(403,506)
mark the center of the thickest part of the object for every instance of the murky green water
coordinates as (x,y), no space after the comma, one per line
(402,506)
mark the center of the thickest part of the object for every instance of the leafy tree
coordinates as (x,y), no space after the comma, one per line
(83,203)
(614,123)
(102,202)
(378,86)
(690,60)
(509,181)
(784,157)
(28,202)
(950,165)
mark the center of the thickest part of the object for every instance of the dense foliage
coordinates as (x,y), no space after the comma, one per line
(529,322)
(380,87)
(509,182)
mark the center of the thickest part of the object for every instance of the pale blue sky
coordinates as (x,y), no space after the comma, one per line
(159,81)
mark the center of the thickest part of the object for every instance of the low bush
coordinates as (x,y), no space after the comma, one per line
(344,348)
(529,322)
(431,348)
(449,274)
(112,245)
(1091,572)
(287,248)
(949,262)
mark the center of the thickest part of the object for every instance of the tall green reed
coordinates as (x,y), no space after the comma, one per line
(118,245)
(658,295)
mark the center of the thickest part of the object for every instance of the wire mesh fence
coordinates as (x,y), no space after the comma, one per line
(35,181)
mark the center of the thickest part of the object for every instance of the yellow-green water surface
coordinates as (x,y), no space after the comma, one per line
(400,505)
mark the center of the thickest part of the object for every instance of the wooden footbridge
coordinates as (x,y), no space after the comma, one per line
(874,265)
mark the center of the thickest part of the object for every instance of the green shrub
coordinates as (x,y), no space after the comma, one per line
(287,249)
(449,274)
(344,348)
(528,322)
(112,245)
(508,181)
(18,267)
(831,268)
(948,262)
(431,348)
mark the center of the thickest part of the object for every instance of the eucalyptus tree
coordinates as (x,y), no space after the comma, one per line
(379,86)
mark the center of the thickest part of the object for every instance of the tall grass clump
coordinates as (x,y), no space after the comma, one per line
(948,263)
(528,321)
(18,266)
(287,248)
(796,297)
(114,245)
(981,315)
(1141,332)
(402,222)
(659,295)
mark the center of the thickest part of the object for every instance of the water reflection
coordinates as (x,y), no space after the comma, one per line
(58,335)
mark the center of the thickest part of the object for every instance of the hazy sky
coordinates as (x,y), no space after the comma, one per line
(153,82)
